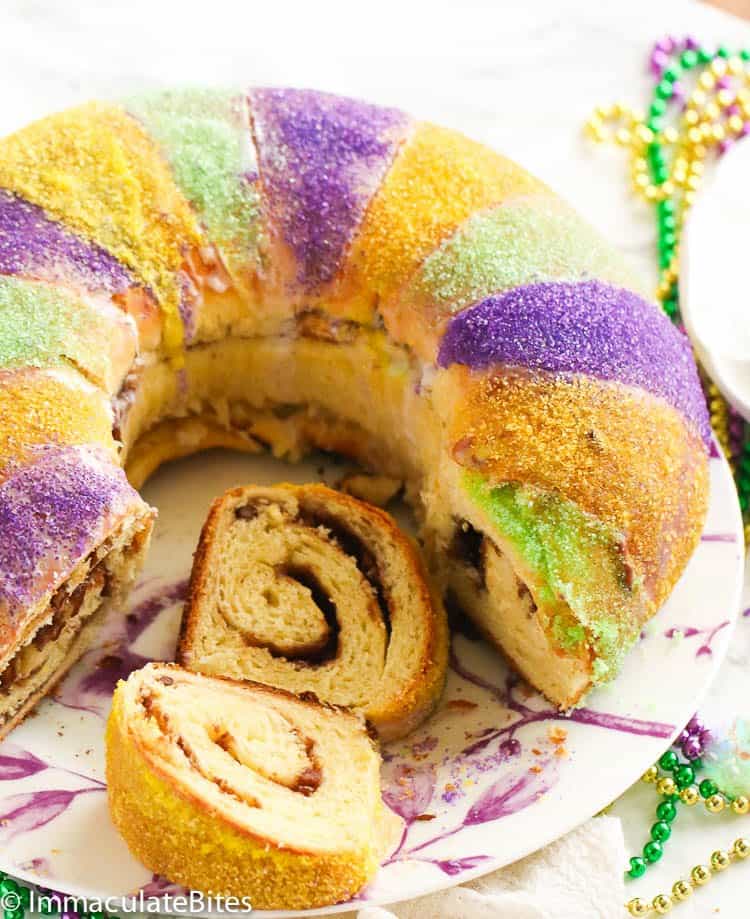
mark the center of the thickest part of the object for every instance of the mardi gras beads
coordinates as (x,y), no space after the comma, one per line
(700,106)
(700,875)
(724,763)
(670,788)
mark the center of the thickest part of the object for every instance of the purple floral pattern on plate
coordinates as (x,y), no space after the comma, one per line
(495,772)
(16,763)
(411,790)
(158,886)
(89,689)
(688,631)
(27,811)
(91,685)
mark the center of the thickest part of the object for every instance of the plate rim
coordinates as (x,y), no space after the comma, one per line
(594,805)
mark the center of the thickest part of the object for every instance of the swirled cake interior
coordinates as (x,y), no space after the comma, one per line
(310,590)
(243,789)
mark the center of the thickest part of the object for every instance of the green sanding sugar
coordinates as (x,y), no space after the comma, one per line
(575,559)
(40,326)
(205,135)
(522,241)
(568,636)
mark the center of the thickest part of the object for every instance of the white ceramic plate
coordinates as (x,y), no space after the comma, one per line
(494,775)
(714,296)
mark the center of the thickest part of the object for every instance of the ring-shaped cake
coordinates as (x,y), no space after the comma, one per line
(289,270)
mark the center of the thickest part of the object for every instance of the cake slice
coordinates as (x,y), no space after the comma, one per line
(244,790)
(73,537)
(310,590)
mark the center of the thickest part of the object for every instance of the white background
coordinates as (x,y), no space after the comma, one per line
(519,76)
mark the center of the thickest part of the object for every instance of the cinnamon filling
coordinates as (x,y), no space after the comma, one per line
(322,327)
(476,554)
(458,618)
(327,648)
(157,714)
(306,782)
(466,548)
(354,546)
(64,612)
(252,509)
(124,400)
(65,607)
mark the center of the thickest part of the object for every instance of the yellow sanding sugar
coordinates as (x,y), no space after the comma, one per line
(40,407)
(96,170)
(582,439)
(438,179)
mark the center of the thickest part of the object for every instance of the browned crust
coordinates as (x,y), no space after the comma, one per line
(198,578)
(419,697)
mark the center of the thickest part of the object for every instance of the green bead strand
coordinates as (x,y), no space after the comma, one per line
(684,775)
(743,480)
(661,831)
(667,225)
(47,907)
(666,811)
(637,867)
(689,59)
(669,760)
(652,851)
(669,217)
(658,108)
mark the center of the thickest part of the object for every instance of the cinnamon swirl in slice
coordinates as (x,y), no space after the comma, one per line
(310,590)
(237,789)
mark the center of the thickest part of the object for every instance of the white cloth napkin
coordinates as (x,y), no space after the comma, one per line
(578,877)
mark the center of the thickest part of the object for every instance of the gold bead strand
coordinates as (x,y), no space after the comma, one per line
(700,875)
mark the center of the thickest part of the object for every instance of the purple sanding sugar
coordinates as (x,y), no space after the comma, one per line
(589,327)
(33,245)
(321,160)
(52,513)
